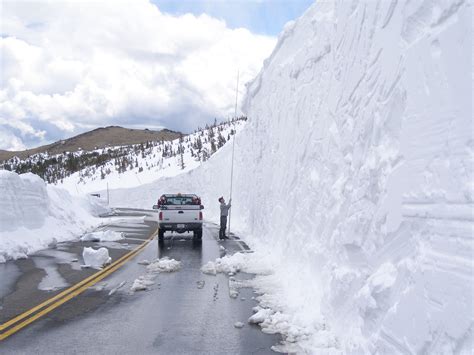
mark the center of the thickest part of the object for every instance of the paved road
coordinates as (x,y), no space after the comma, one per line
(183,312)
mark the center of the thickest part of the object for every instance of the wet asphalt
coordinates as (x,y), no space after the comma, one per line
(183,312)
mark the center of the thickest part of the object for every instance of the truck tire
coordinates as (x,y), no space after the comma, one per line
(161,234)
(197,234)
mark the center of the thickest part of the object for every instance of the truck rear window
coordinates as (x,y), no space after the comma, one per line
(179,200)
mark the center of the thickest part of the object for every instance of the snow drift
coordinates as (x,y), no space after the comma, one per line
(34,215)
(354,174)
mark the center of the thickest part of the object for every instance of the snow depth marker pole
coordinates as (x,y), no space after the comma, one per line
(233,143)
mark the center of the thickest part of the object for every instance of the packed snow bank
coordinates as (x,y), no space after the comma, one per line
(354,175)
(96,258)
(98,206)
(102,236)
(33,215)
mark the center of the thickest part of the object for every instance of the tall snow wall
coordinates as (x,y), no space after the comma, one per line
(34,216)
(354,173)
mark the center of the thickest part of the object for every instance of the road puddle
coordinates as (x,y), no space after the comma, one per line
(53,279)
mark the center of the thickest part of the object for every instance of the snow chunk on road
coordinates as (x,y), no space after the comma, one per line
(209,268)
(260,316)
(164,265)
(102,236)
(153,268)
(96,258)
(232,264)
(142,283)
(238,325)
(115,289)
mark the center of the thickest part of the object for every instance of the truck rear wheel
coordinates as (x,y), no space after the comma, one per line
(197,234)
(161,234)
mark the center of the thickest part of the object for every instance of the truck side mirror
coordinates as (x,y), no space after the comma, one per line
(202,207)
(155,207)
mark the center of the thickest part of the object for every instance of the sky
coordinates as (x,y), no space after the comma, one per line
(265,17)
(70,66)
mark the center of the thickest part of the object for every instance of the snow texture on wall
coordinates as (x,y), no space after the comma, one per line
(354,173)
(34,216)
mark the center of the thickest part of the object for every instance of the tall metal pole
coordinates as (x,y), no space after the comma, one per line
(233,143)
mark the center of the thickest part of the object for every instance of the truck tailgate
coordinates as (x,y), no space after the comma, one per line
(181,216)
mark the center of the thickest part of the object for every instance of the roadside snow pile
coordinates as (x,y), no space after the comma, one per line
(353,176)
(102,236)
(271,314)
(34,215)
(153,268)
(96,258)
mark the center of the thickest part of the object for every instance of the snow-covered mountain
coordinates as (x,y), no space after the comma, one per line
(353,177)
(83,171)
(144,163)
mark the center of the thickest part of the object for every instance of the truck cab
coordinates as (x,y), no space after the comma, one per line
(179,213)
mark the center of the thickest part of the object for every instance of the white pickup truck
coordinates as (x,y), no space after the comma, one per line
(179,213)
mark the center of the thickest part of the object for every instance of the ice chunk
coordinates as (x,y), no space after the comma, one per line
(164,265)
(260,316)
(232,264)
(96,258)
(115,289)
(142,283)
(209,268)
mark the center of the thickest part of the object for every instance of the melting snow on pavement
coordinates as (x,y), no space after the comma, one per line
(153,268)
(102,236)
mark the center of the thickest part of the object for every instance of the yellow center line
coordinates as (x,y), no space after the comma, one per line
(69,293)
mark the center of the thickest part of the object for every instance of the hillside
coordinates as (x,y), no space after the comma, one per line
(129,165)
(353,179)
(95,139)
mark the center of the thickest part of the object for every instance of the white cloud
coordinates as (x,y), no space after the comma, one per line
(9,140)
(77,64)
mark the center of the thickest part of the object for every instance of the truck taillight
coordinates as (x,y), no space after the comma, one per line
(160,216)
(200,215)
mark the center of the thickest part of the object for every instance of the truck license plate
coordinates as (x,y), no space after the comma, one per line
(180,226)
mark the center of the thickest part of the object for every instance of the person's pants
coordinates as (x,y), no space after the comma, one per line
(223,227)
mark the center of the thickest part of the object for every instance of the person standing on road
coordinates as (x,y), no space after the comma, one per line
(224,213)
